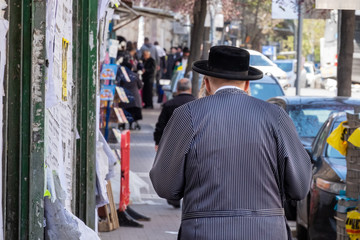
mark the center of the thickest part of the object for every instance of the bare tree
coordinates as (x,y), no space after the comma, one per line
(197,32)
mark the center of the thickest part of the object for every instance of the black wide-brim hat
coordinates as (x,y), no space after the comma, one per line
(228,62)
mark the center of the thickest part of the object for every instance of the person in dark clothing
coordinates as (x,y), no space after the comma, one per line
(183,60)
(184,96)
(131,83)
(170,63)
(159,72)
(148,79)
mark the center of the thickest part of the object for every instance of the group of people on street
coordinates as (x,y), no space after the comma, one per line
(140,68)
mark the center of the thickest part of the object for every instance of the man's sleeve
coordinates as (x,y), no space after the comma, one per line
(294,160)
(161,124)
(168,172)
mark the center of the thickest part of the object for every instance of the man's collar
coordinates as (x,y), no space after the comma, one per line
(184,93)
(227,87)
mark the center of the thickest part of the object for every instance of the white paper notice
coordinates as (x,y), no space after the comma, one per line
(102,6)
(50,96)
(113,48)
(4,26)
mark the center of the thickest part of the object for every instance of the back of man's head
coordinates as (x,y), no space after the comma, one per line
(184,85)
(146,40)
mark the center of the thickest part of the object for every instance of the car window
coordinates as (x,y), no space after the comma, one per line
(285,66)
(330,151)
(308,119)
(317,145)
(264,91)
(258,60)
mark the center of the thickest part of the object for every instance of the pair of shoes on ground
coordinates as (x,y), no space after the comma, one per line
(136,126)
(129,218)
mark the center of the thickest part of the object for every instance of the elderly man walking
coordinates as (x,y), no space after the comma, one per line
(233,159)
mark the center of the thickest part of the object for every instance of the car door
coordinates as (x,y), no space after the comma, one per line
(315,153)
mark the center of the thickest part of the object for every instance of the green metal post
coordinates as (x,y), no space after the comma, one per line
(76,100)
(25,104)
(12,108)
(79,173)
(87,113)
(36,164)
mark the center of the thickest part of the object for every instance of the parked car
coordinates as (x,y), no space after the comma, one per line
(288,66)
(264,64)
(266,88)
(308,115)
(315,214)
(313,76)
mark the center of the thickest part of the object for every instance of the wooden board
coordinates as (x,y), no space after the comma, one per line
(108,213)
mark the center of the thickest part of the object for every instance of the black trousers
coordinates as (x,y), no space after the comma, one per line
(147,93)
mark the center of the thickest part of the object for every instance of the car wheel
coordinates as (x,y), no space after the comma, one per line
(301,232)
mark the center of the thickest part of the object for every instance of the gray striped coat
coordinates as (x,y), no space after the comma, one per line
(233,159)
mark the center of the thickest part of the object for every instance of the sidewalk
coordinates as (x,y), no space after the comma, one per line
(165,220)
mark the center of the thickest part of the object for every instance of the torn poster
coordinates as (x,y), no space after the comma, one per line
(4,26)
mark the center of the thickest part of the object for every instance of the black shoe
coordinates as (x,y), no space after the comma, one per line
(135,215)
(126,221)
(174,203)
(137,126)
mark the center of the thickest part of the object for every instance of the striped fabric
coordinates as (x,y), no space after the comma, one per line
(233,159)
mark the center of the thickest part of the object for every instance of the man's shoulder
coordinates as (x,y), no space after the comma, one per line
(252,104)
(151,60)
(179,100)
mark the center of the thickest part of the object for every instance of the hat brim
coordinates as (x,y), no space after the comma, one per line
(201,66)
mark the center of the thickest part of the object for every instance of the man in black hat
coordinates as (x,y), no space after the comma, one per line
(234,159)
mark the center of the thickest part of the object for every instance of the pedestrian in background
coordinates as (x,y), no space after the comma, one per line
(234,159)
(181,62)
(170,63)
(161,53)
(152,49)
(179,52)
(183,96)
(131,83)
(148,77)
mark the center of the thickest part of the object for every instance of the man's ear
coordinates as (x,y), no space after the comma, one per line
(207,84)
(247,86)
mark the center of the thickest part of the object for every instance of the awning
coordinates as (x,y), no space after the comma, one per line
(337,4)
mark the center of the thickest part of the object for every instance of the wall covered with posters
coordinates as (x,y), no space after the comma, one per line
(60,97)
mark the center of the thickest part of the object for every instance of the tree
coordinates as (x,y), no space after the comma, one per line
(197,32)
(346,51)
